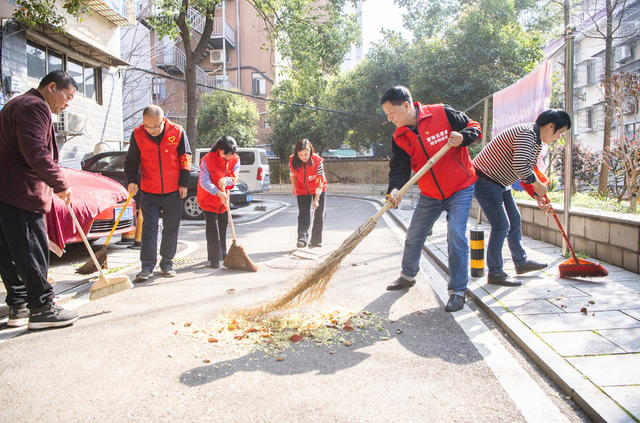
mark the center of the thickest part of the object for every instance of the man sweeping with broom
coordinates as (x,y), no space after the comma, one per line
(422,130)
(29,176)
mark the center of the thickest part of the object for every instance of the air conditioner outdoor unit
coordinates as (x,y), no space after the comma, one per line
(216,56)
(623,53)
(70,123)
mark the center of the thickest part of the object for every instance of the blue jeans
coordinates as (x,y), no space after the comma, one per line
(426,213)
(171,207)
(502,213)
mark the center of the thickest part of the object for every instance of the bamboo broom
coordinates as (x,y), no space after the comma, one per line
(313,284)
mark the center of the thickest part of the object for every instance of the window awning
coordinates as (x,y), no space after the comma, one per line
(73,45)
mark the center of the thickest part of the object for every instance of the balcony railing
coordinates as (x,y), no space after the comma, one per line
(173,62)
(120,12)
(221,28)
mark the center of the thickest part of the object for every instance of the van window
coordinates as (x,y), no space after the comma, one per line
(263,157)
(246,157)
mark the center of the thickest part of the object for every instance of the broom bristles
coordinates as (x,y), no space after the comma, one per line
(583,268)
(90,267)
(238,259)
(312,285)
(109,286)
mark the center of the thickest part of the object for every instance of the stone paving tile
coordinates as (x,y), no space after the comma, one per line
(600,302)
(580,343)
(579,321)
(609,370)
(601,289)
(522,293)
(635,313)
(538,306)
(627,396)
(627,339)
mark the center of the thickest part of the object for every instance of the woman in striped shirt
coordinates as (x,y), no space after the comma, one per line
(509,157)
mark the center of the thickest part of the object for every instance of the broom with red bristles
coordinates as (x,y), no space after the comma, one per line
(573,267)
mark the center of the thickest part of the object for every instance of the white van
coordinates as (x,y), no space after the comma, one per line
(254,166)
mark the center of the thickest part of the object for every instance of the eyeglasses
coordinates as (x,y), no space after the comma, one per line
(152,128)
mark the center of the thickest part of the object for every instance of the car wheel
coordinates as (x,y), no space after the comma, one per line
(191,208)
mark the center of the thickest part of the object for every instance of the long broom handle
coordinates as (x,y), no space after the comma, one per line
(233,231)
(414,179)
(566,239)
(84,239)
(115,225)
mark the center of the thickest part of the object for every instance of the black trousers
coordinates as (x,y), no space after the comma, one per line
(171,207)
(24,257)
(305,202)
(216,235)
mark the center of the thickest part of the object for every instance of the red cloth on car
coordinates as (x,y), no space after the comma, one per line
(91,194)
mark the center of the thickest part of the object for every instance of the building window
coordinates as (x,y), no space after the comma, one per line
(591,71)
(76,71)
(590,118)
(55,61)
(259,84)
(159,89)
(36,61)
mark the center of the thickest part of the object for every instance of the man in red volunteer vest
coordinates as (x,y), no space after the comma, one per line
(421,131)
(160,151)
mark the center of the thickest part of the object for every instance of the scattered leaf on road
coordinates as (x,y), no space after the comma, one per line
(231,291)
(347,343)
(295,338)
(583,310)
(212,340)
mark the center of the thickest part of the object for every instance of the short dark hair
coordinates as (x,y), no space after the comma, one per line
(226,143)
(61,78)
(153,110)
(397,95)
(303,144)
(558,117)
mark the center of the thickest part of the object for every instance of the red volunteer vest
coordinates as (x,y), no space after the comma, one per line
(306,176)
(218,168)
(159,163)
(454,171)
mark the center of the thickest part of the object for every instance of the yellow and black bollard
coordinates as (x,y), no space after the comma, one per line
(477,253)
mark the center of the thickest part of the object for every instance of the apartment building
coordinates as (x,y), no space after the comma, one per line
(89,50)
(236,61)
(589,59)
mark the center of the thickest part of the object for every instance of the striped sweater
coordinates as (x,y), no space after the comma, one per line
(511,155)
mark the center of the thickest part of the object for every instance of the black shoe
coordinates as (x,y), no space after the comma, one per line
(167,271)
(51,316)
(214,264)
(455,303)
(502,279)
(143,275)
(400,283)
(529,266)
(18,315)
(315,245)
(301,244)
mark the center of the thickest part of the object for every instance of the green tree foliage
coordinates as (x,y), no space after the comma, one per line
(485,50)
(32,13)
(224,113)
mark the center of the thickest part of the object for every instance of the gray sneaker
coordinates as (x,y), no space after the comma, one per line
(167,271)
(143,275)
(51,316)
(18,315)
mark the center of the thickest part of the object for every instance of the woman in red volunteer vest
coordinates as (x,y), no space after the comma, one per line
(308,185)
(218,174)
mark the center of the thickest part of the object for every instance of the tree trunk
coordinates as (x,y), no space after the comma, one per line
(608,106)
(193,57)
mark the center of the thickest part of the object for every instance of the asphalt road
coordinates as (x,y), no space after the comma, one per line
(123,362)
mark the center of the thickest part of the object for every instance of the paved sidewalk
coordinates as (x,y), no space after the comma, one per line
(584,333)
